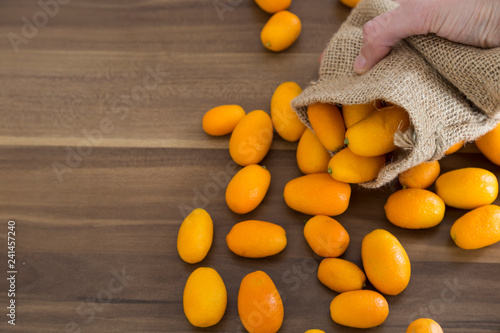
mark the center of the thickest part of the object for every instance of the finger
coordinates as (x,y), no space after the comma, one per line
(383,32)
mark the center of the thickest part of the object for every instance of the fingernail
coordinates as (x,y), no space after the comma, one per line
(321,57)
(359,63)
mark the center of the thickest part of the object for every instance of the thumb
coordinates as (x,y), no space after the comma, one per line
(383,32)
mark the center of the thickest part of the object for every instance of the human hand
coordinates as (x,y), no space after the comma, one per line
(472,22)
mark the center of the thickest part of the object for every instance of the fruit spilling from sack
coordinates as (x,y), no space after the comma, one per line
(345,145)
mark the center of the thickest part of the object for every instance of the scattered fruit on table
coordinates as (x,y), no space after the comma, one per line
(374,135)
(251,139)
(195,235)
(273,6)
(247,188)
(222,120)
(478,228)
(424,325)
(359,309)
(312,156)
(467,188)
(324,191)
(259,304)
(422,175)
(326,236)
(205,297)
(385,261)
(281,31)
(489,145)
(328,125)
(341,275)
(414,208)
(347,167)
(350,3)
(285,119)
(317,194)
(256,239)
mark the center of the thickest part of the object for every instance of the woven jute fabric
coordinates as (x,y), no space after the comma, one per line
(451,91)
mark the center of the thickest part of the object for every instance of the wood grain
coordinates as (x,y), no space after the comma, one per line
(96,235)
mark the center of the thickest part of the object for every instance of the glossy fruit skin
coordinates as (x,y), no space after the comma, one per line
(251,139)
(385,261)
(328,125)
(359,309)
(317,194)
(350,3)
(281,31)
(478,228)
(347,167)
(341,275)
(414,208)
(259,304)
(315,331)
(205,297)
(489,145)
(467,188)
(454,148)
(273,6)
(285,120)
(354,113)
(256,239)
(247,188)
(195,236)
(326,236)
(424,325)
(222,119)
(374,135)
(312,156)
(422,175)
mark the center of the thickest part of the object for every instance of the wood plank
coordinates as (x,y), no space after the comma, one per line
(99,71)
(121,209)
(98,176)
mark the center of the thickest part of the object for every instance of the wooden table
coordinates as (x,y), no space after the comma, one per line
(102,153)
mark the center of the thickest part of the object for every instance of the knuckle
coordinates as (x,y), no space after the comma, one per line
(373,30)
(369,30)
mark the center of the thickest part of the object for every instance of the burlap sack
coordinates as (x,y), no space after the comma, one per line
(451,91)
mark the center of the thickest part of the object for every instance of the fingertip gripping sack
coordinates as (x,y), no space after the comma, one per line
(451,91)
